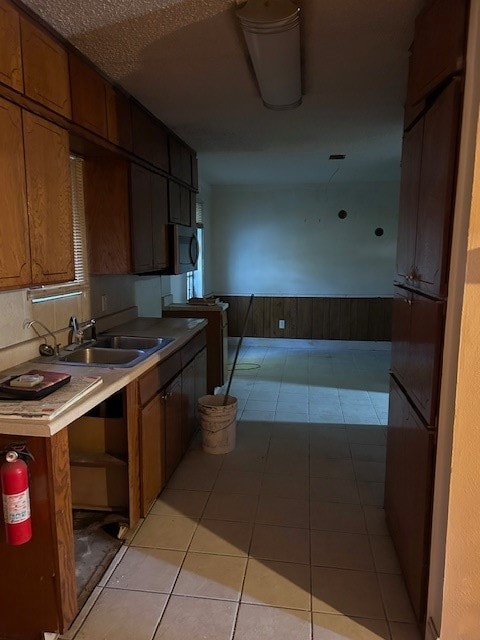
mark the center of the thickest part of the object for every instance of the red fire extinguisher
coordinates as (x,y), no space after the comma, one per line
(16,499)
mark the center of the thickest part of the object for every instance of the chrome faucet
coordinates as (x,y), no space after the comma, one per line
(76,333)
(46,349)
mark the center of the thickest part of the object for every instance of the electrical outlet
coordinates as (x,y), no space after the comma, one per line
(104,302)
(281,324)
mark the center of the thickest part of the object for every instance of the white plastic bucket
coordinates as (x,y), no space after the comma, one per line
(218,423)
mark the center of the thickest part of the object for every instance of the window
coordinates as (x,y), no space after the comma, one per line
(80,285)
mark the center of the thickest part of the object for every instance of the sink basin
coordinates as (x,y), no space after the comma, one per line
(115,351)
(104,357)
(131,342)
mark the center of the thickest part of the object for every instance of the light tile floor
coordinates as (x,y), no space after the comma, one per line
(282,539)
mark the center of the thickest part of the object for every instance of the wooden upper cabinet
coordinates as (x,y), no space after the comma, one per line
(107,215)
(10,48)
(150,138)
(119,118)
(408,207)
(45,69)
(49,200)
(437,191)
(180,163)
(149,211)
(194,170)
(159,221)
(14,243)
(439,46)
(141,209)
(179,204)
(89,107)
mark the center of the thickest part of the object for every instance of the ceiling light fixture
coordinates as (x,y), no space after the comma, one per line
(272,33)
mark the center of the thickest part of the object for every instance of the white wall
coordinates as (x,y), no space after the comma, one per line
(290,241)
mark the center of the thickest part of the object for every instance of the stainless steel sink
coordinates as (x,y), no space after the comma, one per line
(104,357)
(115,351)
(131,342)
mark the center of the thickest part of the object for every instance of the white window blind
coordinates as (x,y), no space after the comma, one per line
(79,285)
(199,213)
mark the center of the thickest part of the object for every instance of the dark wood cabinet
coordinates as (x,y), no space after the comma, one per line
(427,198)
(408,493)
(152,451)
(437,191)
(427,195)
(417,341)
(88,88)
(149,210)
(45,69)
(49,200)
(180,204)
(150,138)
(15,268)
(217,338)
(439,46)
(107,215)
(173,425)
(10,47)
(180,160)
(119,118)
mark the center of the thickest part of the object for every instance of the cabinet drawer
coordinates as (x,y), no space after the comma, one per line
(190,350)
(152,381)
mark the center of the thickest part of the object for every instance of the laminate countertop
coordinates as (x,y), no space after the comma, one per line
(113,378)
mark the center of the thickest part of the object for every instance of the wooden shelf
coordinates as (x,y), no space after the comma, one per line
(81,459)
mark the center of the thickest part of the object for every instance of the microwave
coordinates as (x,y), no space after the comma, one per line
(184,249)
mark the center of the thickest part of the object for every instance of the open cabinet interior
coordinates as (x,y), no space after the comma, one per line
(98,447)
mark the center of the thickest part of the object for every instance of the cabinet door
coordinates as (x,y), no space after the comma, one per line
(194,170)
(152,451)
(439,45)
(186,207)
(119,119)
(10,51)
(49,200)
(408,207)
(150,139)
(425,354)
(200,376)
(401,335)
(88,97)
(188,404)
(174,202)
(408,494)
(14,244)
(141,211)
(437,190)
(159,221)
(173,426)
(107,215)
(45,69)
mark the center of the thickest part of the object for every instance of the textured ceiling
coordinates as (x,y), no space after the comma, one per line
(186,61)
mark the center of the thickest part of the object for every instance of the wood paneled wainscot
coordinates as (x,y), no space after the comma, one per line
(10,48)
(311,318)
(45,68)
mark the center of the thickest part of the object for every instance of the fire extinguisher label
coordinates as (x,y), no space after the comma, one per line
(16,507)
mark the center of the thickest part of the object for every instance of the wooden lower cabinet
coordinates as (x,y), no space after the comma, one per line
(37,589)
(409,493)
(173,425)
(152,451)
(166,398)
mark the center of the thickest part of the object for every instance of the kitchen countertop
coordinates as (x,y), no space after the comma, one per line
(113,378)
(198,307)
